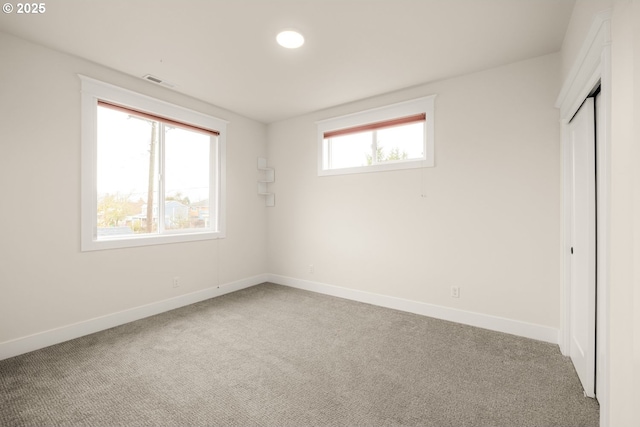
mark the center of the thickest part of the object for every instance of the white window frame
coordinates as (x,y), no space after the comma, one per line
(94,90)
(389,112)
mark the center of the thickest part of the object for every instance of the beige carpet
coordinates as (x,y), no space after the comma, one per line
(276,356)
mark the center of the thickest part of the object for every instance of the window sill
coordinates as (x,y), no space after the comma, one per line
(148,240)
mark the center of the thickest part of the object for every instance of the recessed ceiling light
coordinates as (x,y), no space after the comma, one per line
(290,39)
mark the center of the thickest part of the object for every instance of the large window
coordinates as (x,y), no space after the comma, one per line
(397,136)
(153,172)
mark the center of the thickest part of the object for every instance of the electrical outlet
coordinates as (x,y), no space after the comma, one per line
(311,268)
(176,282)
(455,292)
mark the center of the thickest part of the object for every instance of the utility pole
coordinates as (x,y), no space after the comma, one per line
(152,172)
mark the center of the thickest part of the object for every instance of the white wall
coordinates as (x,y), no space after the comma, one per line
(45,281)
(624,279)
(490,218)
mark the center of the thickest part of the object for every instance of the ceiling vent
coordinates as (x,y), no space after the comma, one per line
(158,80)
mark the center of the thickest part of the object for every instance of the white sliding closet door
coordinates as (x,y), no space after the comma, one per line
(583,242)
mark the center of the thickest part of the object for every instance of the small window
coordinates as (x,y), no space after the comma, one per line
(399,136)
(152,172)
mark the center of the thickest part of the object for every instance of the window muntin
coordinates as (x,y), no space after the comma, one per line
(143,158)
(398,136)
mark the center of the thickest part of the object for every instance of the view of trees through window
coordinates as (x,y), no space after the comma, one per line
(397,143)
(151,176)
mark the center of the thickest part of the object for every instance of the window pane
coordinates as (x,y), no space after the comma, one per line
(187,155)
(401,143)
(127,174)
(348,151)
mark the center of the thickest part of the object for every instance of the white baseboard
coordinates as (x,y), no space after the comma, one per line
(54,336)
(494,323)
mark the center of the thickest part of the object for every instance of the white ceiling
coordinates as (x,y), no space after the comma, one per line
(224,51)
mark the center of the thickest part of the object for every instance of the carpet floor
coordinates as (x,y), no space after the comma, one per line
(271,355)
